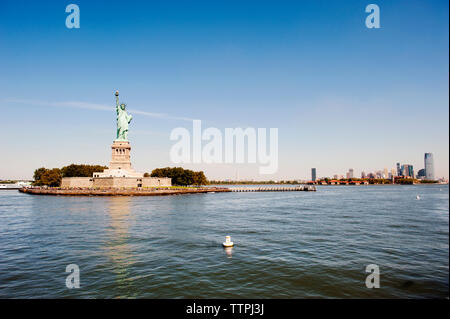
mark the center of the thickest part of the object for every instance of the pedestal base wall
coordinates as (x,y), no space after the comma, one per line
(115,182)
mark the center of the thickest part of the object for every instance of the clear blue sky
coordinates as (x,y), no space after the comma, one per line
(343,96)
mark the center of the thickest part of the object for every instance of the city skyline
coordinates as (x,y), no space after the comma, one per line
(340,94)
(399,169)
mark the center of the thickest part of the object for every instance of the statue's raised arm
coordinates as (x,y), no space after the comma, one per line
(117,102)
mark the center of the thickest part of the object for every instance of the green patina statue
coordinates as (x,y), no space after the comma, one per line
(123,119)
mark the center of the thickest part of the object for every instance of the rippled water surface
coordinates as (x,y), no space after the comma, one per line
(288,244)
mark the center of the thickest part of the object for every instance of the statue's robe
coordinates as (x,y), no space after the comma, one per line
(122,122)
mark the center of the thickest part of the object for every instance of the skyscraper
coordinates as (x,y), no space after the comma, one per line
(411,171)
(313,174)
(407,170)
(350,173)
(429,166)
(399,170)
(392,173)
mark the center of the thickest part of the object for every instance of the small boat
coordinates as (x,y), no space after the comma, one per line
(418,197)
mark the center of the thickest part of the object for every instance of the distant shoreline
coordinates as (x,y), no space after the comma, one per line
(347,184)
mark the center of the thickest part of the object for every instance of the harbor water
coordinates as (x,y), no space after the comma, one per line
(286,244)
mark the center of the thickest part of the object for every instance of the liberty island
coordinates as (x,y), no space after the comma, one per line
(119,178)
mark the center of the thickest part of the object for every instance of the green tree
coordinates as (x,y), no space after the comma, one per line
(81,170)
(199,178)
(48,177)
(404,181)
(181,176)
(52,177)
(427,181)
(38,173)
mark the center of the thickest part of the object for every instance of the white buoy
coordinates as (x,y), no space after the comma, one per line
(228,242)
(417,197)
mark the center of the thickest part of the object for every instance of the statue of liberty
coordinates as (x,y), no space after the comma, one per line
(123,119)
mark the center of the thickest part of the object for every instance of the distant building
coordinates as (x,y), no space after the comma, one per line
(393,172)
(350,173)
(313,174)
(379,174)
(385,173)
(363,174)
(407,170)
(399,170)
(429,166)
(410,171)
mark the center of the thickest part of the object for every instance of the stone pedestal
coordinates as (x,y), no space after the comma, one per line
(120,164)
(120,158)
(120,174)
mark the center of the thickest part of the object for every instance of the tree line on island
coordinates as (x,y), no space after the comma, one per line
(180,176)
(52,177)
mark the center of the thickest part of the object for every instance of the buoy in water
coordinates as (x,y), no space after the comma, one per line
(417,197)
(228,242)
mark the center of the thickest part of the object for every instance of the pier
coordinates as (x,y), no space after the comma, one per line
(302,188)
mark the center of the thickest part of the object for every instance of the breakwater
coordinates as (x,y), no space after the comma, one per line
(302,188)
